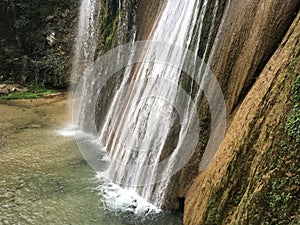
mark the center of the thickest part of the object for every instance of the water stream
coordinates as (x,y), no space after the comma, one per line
(137,130)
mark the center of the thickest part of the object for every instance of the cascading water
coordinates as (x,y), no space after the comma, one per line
(86,42)
(137,131)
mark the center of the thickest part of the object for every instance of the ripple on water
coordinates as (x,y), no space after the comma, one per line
(44,180)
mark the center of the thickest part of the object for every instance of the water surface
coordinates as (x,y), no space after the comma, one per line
(43,177)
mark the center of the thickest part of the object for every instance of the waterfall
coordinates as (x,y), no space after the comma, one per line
(86,42)
(141,128)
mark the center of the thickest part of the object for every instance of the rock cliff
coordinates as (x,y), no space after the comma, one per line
(253,178)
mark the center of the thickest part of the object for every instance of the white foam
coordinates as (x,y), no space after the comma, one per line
(68,131)
(114,197)
(117,198)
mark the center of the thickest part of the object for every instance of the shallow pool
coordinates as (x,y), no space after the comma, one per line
(44,180)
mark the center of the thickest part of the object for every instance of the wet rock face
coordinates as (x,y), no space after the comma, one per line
(250,34)
(236,182)
(148,12)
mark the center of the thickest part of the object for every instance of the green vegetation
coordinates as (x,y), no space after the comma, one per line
(278,201)
(109,19)
(32,93)
(37,37)
(271,194)
(213,216)
(113,19)
(26,53)
(292,127)
(295,95)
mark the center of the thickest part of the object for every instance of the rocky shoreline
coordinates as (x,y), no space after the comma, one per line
(10,88)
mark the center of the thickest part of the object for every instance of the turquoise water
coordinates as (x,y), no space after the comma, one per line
(44,180)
